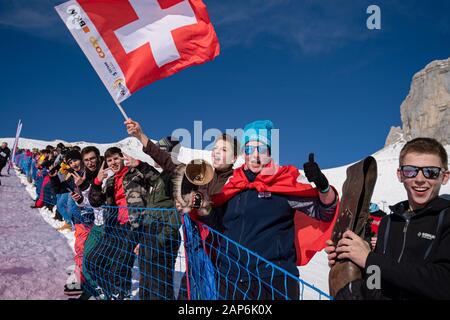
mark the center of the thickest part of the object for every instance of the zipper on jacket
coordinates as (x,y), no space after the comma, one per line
(405,229)
(241,215)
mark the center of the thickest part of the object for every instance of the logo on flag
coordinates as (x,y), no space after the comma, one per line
(132,43)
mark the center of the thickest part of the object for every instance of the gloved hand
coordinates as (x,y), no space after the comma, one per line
(313,174)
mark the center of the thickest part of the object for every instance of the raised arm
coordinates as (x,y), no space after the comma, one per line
(161,157)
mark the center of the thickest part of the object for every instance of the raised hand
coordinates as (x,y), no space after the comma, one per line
(76,197)
(102,173)
(134,129)
(314,174)
(78,179)
(130,161)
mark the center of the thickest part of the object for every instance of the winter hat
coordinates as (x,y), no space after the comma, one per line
(259,130)
(73,155)
(373,207)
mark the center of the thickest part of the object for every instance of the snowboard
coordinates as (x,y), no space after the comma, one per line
(353,215)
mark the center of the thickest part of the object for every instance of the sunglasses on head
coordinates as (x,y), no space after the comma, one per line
(261,149)
(428,172)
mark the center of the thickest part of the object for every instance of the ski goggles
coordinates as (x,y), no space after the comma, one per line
(262,149)
(428,172)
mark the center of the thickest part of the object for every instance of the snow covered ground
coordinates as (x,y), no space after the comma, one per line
(388,190)
(33,255)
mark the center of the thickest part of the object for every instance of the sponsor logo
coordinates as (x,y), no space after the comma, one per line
(97,47)
(119,84)
(426,236)
(75,20)
(111,69)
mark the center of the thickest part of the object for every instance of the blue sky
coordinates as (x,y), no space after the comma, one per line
(329,84)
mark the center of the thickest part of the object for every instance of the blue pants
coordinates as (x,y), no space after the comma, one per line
(39,181)
(33,170)
(62,206)
(49,195)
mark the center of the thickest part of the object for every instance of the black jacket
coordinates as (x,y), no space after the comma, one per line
(413,254)
(4,154)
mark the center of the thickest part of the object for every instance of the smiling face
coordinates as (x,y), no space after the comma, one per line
(421,190)
(256,161)
(115,163)
(75,165)
(222,155)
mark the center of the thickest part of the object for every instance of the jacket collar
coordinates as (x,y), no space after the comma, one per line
(436,205)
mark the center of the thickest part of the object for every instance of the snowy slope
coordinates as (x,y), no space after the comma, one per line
(388,190)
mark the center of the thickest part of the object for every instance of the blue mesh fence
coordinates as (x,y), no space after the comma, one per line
(155,248)
(150,259)
(220,268)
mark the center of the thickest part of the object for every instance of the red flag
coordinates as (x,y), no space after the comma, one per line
(310,234)
(132,43)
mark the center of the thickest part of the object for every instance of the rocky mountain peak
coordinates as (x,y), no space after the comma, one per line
(426,110)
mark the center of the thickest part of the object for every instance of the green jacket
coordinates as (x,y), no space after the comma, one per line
(161,195)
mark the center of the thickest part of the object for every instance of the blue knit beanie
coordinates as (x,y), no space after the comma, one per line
(259,130)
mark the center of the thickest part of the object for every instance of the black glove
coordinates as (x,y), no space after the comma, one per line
(313,174)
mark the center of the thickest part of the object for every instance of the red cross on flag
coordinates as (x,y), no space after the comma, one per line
(132,43)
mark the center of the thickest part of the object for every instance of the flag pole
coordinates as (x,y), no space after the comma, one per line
(15,145)
(122,111)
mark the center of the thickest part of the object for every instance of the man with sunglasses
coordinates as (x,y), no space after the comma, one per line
(412,252)
(260,202)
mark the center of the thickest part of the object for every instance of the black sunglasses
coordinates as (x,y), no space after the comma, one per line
(428,172)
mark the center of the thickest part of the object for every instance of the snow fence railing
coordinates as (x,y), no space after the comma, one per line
(218,268)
